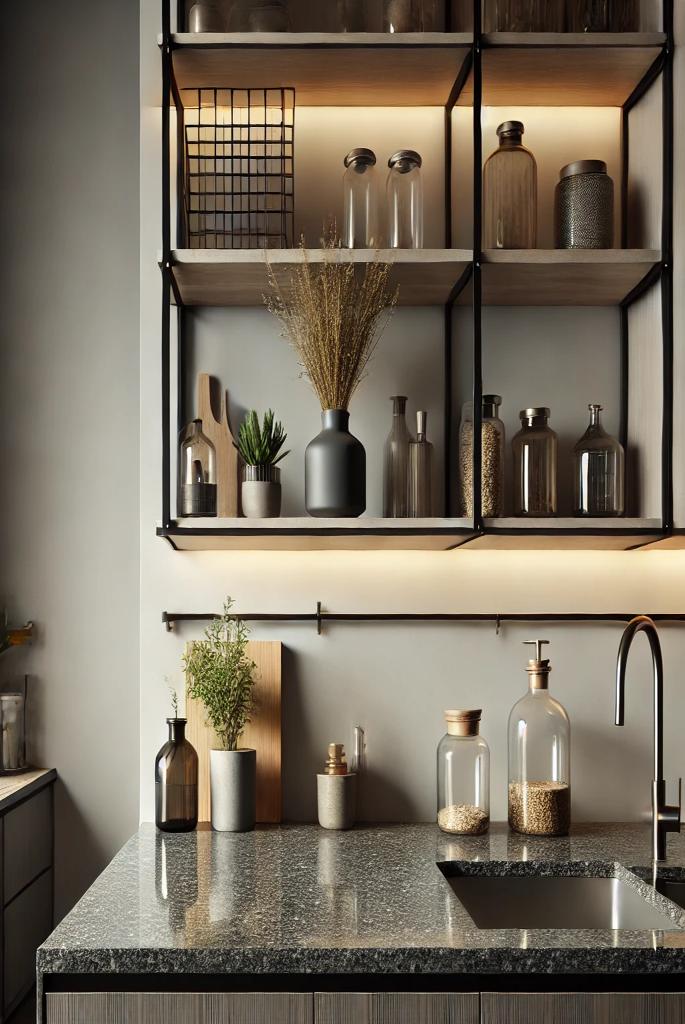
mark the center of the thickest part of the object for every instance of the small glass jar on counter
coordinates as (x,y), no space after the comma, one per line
(492,458)
(360,186)
(463,776)
(176,774)
(598,471)
(196,474)
(535,465)
(405,200)
(584,206)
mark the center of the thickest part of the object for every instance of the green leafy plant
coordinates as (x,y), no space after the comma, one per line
(261,446)
(221,676)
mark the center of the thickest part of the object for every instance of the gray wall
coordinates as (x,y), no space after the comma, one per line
(69,406)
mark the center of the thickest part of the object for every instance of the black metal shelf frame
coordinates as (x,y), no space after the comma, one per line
(661,273)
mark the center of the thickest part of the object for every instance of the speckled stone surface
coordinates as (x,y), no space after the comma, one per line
(298,899)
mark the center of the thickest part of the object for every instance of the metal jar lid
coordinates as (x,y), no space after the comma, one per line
(583,167)
(537,412)
(510,128)
(360,156)
(405,160)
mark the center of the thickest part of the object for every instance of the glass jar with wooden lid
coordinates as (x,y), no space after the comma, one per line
(463,775)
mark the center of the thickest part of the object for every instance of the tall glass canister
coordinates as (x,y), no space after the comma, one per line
(404,191)
(539,757)
(463,775)
(535,465)
(510,192)
(492,458)
(598,471)
(360,227)
(420,483)
(396,462)
(176,769)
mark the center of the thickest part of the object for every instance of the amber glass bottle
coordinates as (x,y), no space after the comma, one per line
(176,781)
(510,192)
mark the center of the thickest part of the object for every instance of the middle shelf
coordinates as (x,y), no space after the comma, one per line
(535,277)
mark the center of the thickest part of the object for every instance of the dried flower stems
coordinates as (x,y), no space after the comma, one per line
(333,317)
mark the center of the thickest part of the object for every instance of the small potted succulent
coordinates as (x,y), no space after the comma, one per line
(260,450)
(220,675)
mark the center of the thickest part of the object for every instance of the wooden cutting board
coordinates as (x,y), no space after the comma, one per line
(219,433)
(263,733)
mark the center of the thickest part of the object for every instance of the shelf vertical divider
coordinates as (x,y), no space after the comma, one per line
(476,447)
(667,270)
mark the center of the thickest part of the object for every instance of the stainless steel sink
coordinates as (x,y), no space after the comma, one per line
(540,901)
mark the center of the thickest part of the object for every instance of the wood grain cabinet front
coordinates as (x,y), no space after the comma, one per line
(583,1008)
(178,1008)
(396,1008)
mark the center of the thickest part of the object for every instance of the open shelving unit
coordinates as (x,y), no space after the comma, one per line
(448,70)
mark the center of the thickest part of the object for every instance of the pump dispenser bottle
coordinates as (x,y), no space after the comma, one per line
(539,757)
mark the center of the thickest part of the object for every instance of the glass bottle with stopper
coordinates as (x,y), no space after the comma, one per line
(396,462)
(420,483)
(539,756)
(463,775)
(598,471)
(196,474)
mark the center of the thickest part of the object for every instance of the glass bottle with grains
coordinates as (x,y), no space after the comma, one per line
(598,471)
(492,457)
(535,465)
(463,776)
(510,192)
(539,757)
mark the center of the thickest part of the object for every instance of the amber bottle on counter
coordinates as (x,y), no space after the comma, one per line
(510,192)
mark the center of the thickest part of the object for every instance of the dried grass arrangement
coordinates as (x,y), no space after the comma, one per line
(333,317)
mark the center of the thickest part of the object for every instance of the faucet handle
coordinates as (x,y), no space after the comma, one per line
(669,814)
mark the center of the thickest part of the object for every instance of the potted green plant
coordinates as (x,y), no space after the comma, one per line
(220,675)
(260,450)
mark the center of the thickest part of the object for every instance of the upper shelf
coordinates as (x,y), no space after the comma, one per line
(563,69)
(511,277)
(420,69)
(363,69)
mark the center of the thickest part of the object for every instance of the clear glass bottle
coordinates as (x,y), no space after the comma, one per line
(535,465)
(360,186)
(259,16)
(463,776)
(492,458)
(176,781)
(413,15)
(420,497)
(598,471)
(196,474)
(405,200)
(539,757)
(510,192)
(396,462)
(524,16)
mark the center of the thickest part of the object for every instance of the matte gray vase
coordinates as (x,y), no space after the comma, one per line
(233,788)
(335,469)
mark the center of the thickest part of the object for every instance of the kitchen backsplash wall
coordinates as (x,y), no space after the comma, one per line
(395,680)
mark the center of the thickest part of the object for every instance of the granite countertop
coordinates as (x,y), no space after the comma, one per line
(298,899)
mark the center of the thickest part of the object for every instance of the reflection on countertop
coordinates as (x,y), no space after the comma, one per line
(291,899)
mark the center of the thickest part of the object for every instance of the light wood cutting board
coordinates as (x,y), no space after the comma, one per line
(263,733)
(219,433)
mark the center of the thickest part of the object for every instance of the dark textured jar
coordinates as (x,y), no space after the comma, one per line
(584,206)
(176,781)
(335,469)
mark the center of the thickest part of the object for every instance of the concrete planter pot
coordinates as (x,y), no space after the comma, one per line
(260,492)
(336,800)
(232,781)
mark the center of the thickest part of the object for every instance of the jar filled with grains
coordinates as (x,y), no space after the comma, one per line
(539,757)
(492,458)
(463,776)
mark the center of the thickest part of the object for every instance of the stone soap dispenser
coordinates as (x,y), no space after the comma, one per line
(539,757)
(336,790)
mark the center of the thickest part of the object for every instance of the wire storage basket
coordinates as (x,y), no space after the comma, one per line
(239,174)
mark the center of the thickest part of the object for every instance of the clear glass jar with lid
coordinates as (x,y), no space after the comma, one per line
(492,457)
(539,757)
(535,465)
(598,471)
(463,776)
(405,200)
(510,192)
(360,185)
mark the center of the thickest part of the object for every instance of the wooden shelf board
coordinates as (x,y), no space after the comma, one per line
(558,534)
(562,277)
(238,277)
(327,69)
(674,542)
(563,69)
(309,534)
